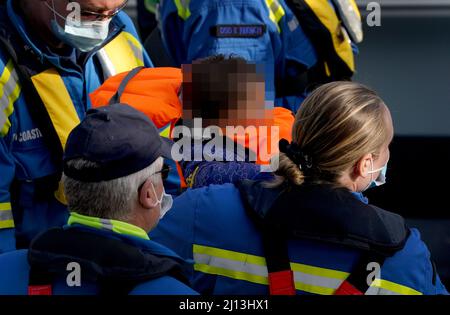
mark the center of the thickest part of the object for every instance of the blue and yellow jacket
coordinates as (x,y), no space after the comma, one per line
(212,226)
(62,84)
(265,32)
(15,268)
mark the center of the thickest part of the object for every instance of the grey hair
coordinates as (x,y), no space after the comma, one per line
(113,199)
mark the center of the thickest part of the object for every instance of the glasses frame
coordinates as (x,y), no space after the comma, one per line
(165,170)
(100,16)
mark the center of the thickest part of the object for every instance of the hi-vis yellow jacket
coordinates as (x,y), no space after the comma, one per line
(42,97)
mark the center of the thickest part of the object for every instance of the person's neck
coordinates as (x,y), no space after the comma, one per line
(347,182)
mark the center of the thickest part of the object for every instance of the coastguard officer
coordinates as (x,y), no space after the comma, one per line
(113,179)
(310,231)
(264,32)
(52,54)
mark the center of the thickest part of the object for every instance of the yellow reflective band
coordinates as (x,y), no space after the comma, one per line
(136,46)
(276,12)
(238,275)
(124,52)
(7,224)
(9,93)
(325,12)
(315,289)
(5,206)
(394,287)
(183,8)
(108,225)
(228,254)
(6,218)
(321,272)
(251,268)
(57,102)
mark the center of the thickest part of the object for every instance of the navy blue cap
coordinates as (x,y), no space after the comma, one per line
(119,138)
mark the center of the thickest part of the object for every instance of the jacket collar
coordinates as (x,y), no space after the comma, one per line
(120,230)
(107,224)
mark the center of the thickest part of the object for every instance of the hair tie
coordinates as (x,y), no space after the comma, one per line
(297,155)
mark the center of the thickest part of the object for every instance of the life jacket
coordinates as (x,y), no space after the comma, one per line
(155,92)
(43,87)
(264,141)
(331,25)
(114,265)
(325,214)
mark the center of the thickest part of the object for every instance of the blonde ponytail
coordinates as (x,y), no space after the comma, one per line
(336,125)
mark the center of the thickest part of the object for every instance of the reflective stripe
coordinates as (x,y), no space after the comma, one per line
(6,216)
(351,18)
(57,102)
(106,224)
(183,8)
(8,224)
(230,268)
(253,269)
(107,66)
(5,206)
(390,288)
(117,56)
(355,8)
(136,46)
(9,93)
(312,279)
(276,12)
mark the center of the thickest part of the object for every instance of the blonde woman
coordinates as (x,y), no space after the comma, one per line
(310,231)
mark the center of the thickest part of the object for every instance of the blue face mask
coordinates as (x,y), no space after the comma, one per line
(166,202)
(380,180)
(85,36)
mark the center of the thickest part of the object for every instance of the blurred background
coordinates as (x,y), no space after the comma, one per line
(407,61)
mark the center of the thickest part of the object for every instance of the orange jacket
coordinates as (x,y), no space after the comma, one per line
(153,91)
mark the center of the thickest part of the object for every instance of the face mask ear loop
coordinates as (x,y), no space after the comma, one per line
(52,8)
(371,175)
(158,201)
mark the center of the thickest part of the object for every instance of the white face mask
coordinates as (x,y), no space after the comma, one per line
(380,180)
(85,36)
(166,202)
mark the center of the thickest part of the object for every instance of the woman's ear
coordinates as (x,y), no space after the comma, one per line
(363,166)
(147,198)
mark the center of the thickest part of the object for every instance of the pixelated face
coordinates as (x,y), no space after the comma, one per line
(224,94)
